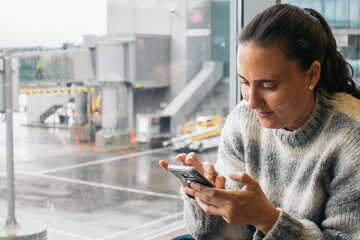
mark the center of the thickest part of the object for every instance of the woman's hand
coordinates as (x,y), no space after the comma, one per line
(247,206)
(206,168)
(165,165)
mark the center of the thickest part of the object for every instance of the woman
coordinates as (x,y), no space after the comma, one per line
(288,164)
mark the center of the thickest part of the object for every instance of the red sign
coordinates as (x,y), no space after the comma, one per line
(196,16)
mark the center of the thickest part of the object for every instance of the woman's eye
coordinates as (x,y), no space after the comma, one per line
(245,83)
(268,86)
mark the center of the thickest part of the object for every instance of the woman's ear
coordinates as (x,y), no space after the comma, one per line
(314,73)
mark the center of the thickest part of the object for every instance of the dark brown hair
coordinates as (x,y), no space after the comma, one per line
(305,36)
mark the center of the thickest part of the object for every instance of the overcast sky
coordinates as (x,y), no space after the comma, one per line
(50,23)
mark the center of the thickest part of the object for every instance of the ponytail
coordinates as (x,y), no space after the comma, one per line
(304,36)
(336,72)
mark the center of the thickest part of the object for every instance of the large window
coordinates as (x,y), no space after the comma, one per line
(53,66)
(339,14)
(97,112)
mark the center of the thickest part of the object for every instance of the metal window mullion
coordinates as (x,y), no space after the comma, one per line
(236,23)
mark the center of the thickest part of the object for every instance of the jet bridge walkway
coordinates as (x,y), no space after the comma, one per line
(194,92)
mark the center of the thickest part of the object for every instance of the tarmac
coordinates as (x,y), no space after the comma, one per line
(81,193)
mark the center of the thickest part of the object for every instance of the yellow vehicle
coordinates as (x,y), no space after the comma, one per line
(198,135)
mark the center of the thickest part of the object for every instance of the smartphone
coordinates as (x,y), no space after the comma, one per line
(187,175)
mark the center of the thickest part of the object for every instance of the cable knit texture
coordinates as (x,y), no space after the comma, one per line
(312,175)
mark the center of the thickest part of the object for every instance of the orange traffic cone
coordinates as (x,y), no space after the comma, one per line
(132,137)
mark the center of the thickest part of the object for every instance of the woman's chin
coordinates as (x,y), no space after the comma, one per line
(270,124)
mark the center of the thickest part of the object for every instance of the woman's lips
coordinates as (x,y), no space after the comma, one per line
(264,114)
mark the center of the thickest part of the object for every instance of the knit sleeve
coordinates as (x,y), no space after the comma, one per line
(289,228)
(342,209)
(342,222)
(197,222)
(342,213)
(208,227)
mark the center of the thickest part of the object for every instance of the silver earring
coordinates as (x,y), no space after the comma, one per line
(311,87)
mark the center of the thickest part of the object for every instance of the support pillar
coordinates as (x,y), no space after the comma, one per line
(29,230)
(80,108)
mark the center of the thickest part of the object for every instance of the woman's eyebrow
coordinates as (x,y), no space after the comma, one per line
(259,80)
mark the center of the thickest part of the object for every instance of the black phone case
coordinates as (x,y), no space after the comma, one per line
(188,174)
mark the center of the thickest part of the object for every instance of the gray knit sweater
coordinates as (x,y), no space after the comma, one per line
(312,175)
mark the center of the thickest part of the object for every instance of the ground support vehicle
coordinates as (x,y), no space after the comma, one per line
(198,135)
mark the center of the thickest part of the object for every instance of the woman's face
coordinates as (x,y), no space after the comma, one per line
(274,87)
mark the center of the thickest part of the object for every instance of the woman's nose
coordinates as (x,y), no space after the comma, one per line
(254,100)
